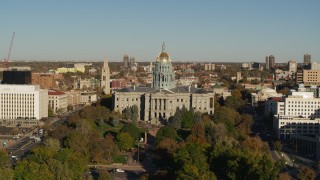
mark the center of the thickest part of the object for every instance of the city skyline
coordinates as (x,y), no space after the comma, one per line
(203,31)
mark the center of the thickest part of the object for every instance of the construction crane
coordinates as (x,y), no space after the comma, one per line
(5,63)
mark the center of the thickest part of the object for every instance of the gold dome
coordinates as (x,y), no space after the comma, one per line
(163,56)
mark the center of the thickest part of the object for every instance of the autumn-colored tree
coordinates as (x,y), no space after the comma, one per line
(306,173)
(60,132)
(165,150)
(244,126)
(284,176)
(255,144)
(236,94)
(198,135)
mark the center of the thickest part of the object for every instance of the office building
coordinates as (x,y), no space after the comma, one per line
(46,81)
(311,77)
(292,67)
(306,59)
(270,62)
(23,102)
(284,126)
(126,61)
(209,67)
(132,62)
(16,77)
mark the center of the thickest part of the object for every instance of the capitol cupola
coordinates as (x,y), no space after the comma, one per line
(163,76)
(163,56)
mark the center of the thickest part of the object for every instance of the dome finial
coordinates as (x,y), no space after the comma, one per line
(163,47)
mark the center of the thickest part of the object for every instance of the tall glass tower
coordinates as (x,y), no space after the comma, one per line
(163,75)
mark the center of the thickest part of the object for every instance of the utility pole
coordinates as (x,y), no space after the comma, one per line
(138,154)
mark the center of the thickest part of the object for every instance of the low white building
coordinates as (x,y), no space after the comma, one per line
(88,97)
(285,126)
(263,95)
(302,104)
(23,102)
(58,101)
(74,98)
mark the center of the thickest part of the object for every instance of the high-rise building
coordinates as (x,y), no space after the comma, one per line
(105,78)
(307,59)
(315,66)
(292,66)
(270,61)
(126,61)
(163,75)
(23,101)
(46,81)
(16,77)
(209,67)
(132,61)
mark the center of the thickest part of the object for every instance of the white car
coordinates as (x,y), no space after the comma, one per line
(120,170)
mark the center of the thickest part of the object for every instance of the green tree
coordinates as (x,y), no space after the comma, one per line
(191,163)
(125,141)
(127,113)
(277,145)
(5,171)
(50,112)
(135,113)
(79,142)
(236,94)
(166,132)
(60,171)
(132,130)
(52,144)
(236,163)
(228,117)
(188,118)
(175,121)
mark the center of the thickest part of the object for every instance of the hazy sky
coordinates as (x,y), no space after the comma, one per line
(203,30)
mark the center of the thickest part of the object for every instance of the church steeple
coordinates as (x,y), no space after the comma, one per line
(105,77)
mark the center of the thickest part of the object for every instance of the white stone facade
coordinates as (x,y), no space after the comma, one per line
(58,101)
(284,126)
(162,104)
(23,101)
(88,97)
